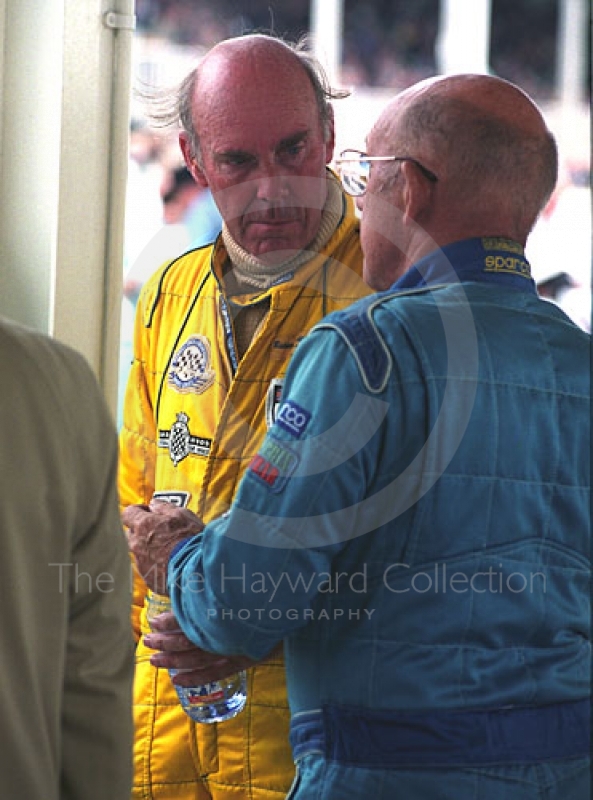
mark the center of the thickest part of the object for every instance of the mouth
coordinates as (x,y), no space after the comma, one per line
(274,217)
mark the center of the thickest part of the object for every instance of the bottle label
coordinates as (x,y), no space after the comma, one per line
(205,695)
(157,604)
(212,702)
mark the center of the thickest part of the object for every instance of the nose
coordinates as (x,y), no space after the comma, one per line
(272,185)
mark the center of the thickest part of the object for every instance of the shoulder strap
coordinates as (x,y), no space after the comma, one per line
(357,328)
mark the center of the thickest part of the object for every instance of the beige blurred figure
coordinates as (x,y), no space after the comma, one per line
(66,653)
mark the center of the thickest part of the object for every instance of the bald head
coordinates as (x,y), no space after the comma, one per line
(258,49)
(490,95)
(488,143)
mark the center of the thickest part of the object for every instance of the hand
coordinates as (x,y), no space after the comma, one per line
(178,652)
(153,532)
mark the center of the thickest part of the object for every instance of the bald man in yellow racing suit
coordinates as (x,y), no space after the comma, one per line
(202,392)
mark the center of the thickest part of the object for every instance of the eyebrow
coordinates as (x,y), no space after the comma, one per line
(233,154)
(296,138)
(289,141)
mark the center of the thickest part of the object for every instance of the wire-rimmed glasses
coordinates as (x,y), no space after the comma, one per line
(354,169)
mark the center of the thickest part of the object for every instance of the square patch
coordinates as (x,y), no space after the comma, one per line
(273,464)
(293,418)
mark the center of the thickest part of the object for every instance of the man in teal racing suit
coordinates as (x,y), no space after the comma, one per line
(415,525)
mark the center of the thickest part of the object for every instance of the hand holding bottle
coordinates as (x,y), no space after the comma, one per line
(176,651)
(203,700)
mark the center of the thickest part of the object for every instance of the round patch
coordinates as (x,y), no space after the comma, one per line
(191,370)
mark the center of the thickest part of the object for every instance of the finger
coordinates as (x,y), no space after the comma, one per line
(169,643)
(189,678)
(132,515)
(197,677)
(214,672)
(193,661)
(183,517)
(165,623)
(160,505)
(166,660)
(166,509)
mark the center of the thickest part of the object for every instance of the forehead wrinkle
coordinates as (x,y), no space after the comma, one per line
(249,71)
(239,126)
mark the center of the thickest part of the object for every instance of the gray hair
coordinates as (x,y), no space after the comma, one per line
(174,107)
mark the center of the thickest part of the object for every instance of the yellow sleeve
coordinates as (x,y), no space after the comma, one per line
(137,444)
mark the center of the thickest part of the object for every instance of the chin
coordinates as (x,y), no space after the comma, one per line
(377,282)
(277,256)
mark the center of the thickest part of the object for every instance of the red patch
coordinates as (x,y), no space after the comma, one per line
(264,470)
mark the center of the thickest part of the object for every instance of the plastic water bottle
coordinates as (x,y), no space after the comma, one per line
(216,701)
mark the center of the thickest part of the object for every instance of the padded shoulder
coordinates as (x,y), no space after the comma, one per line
(180,277)
(357,327)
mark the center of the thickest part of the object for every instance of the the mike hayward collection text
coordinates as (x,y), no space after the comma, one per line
(398,578)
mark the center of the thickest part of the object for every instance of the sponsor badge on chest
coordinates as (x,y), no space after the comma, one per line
(191,367)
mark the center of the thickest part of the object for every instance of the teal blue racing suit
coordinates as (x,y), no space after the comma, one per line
(415,526)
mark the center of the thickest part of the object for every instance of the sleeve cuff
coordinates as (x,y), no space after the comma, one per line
(179,546)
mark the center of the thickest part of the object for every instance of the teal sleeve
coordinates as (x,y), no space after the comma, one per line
(248,580)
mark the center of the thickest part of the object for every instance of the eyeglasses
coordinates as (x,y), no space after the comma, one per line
(354,169)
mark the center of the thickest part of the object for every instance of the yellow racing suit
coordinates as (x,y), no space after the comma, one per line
(194,416)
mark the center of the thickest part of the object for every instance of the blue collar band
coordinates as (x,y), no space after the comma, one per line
(483,260)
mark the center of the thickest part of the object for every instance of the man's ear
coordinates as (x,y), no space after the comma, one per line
(417,194)
(191,161)
(330,136)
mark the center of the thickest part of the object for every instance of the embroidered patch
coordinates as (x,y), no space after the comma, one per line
(516,266)
(273,400)
(498,243)
(180,442)
(278,344)
(191,370)
(179,499)
(293,418)
(274,464)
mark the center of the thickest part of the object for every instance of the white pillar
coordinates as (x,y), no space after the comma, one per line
(571,68)
(65,85)
(31,88)
(326,26)
(463,41)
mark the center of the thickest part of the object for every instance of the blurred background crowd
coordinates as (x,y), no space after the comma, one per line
(386,43)
(385,46)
